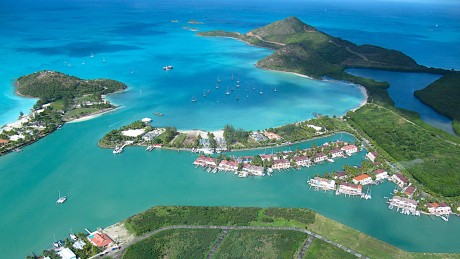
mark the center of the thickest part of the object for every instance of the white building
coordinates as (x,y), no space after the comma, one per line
(439,209)
(320,157)
(380,174)
(350,149)
(281,164)
(322,183)
(302,161)
(66,253)
(399,180)
(406,205)
(254,170)
(350,189)
(372,156)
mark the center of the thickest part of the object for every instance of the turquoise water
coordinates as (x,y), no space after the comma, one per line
(402,88)
(137,39)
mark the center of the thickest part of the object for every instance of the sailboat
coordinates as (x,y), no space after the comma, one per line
(62,199)
(227,93)
(194,99)
(274,90)
(103,60)
(217,86)
(218,80)
(92,55)
(233,77)
(204,94)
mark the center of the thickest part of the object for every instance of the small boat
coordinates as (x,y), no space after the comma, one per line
(218,79)
(204,94)
(330,160)
(194,99)
(150,148)
(166,68)
(261,93)
(103,60)
(17,150)
(217,86)
(274,90)
(227,93)
(62,199)
(158,113)
(92,55)
(59,127)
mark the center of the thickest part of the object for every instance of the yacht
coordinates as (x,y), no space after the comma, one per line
(274,90)
(217,86)
(92,55)
(227,93)
(117,150)
(194,99)
(62,199)
(168,68)
(218,79)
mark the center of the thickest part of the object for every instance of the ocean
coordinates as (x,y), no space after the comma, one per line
(137,38)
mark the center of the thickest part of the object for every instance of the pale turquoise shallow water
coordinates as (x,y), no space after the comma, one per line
(137,36)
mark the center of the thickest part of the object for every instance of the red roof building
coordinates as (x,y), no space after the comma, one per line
(101,240)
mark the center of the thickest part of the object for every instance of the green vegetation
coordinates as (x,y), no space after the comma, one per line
(430,158)
(179,140)
(175,243)
(303,49)
(305,216)
(443,96)
(157,217)
(322,250)
(233,136)
(51,86)
(260,244)
(116,138)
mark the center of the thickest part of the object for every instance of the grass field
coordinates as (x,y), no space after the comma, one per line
(319,249)
(175,243)
(76,113)
(260,244)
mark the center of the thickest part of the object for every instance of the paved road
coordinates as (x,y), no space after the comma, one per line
(119,253)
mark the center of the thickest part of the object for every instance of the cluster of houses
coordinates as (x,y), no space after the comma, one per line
(96,238)
(281,161)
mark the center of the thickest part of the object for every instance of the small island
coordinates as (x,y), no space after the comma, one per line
(61,98)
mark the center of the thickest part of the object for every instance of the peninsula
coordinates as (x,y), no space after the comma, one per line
(61,98)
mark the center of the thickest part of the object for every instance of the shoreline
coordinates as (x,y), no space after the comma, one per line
(94,115)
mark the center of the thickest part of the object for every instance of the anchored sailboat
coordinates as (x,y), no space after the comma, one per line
(62,199)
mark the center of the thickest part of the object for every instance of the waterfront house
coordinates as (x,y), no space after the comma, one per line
(320,157)
(79,244)
(380,174)
(281,164)
(302,161)
(66,253)
(350,189)
(268,157)
(226,165)
(204,142)
(409,191)
(439,209)
(350,149)
(372,156)
(254,170)
(322,183)
(271,135)
(205,161)
(336,153)
(17,137)
(362,179)
(407,205)
(399,180)
(151,135)
(340,176)
(100,239)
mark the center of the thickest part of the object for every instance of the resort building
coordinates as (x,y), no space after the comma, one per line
(350,149)
(340,176)
(350,189)
(226,165)
(271,135)
(399,180)
(281,164)
(408,206)
(362,179)
(320,157)
(439,209)
(302,161)
(322,183)
(254,170)
(380,174)
(372,156)
(100,239)
(66,253)
(409,191)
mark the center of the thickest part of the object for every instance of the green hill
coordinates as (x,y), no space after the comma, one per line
(443,96)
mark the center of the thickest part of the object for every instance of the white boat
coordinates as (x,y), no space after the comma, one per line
(217,86)
(218,80)
(194,99)
(103,60)
(92,55)
(149,148)
(168,68)
(62,199)
(227,93)
(330,160)
(117,150)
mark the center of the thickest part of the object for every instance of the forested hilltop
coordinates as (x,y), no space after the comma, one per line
(443,95)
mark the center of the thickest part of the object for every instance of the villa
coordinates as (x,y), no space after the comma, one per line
(268,157)
(336,153)
(407,205)
(66,253)
(254,170)
(258,137)
(409,191)
(322,183)
(281,164)
(205,161)
(320,157)
(399,180)
(350,189)
(350,149)
(372,156)
(226,165)
(302,161)
(362,179)
(340,176)
(439,209)
(100,239)
(380,174)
